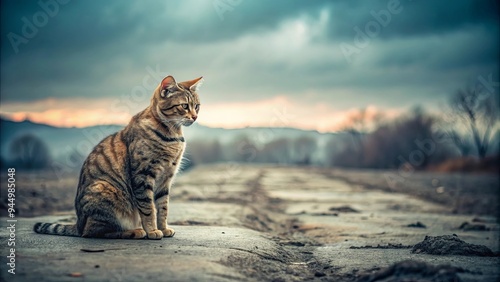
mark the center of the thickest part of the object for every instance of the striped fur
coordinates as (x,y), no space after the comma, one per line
(124,186)
(56,229)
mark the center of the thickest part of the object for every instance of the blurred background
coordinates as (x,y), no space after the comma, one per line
(326,125)
(401,85)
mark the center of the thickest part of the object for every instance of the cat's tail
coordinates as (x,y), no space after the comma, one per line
(56,229)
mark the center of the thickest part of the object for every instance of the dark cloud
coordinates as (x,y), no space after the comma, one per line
(251,51)
(413,17)
(441,17)
(80,25)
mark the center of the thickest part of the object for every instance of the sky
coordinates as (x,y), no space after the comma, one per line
(283,63)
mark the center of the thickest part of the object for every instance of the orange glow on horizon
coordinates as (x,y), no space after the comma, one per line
(278,111)
(69,118)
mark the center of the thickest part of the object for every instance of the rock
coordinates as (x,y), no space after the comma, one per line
(410,270)
(346,209)
(418,224)
(473,227)
(484,220)
(449,245)
(388,246)
(319,274)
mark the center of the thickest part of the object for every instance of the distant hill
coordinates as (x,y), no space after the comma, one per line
(58,139)
(62,141)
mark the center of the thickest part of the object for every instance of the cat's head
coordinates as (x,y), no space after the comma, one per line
(177,103)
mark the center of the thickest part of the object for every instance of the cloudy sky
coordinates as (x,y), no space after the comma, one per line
(306,64)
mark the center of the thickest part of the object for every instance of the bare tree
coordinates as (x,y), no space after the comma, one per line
(28,151)
(303,150)
(242,149)
(358,125)
(342,152)
(392,144)
(464,145)
(206,151)
(276,151)
(480,112)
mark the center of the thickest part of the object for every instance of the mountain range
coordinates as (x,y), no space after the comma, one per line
(62,141)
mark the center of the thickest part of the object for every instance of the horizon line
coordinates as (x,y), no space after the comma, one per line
(27,119)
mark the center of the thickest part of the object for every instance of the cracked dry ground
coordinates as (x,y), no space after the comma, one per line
(325,228)
(258,223)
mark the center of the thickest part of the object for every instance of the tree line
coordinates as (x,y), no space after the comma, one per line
(467,127)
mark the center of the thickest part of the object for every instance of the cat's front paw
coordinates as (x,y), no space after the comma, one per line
(168,232)
(155,234)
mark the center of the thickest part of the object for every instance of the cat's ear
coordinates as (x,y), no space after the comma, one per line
(194,84)
(167,84)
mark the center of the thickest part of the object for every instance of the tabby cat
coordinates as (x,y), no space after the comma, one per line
(124,185)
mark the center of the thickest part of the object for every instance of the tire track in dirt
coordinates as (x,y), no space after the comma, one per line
(272,193)
(294,261)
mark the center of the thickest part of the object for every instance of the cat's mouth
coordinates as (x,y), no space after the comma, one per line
(187,122)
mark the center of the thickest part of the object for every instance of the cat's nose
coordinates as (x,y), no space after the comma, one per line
(194,118)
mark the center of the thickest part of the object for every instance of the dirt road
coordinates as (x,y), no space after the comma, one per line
(261,223)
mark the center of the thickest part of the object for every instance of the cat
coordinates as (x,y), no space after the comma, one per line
(124,185)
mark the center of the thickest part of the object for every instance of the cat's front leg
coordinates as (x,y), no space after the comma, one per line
(161,201)
(145,204)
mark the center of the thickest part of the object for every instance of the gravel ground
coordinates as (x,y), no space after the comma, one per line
(267,223)
(473,193)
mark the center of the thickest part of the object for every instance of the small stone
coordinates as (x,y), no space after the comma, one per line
(473,227)
(435,182)
(440,190)
(319,274)
(418,224)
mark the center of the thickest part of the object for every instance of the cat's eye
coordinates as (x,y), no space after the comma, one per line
(185,106)
(197,107)
(164,93)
